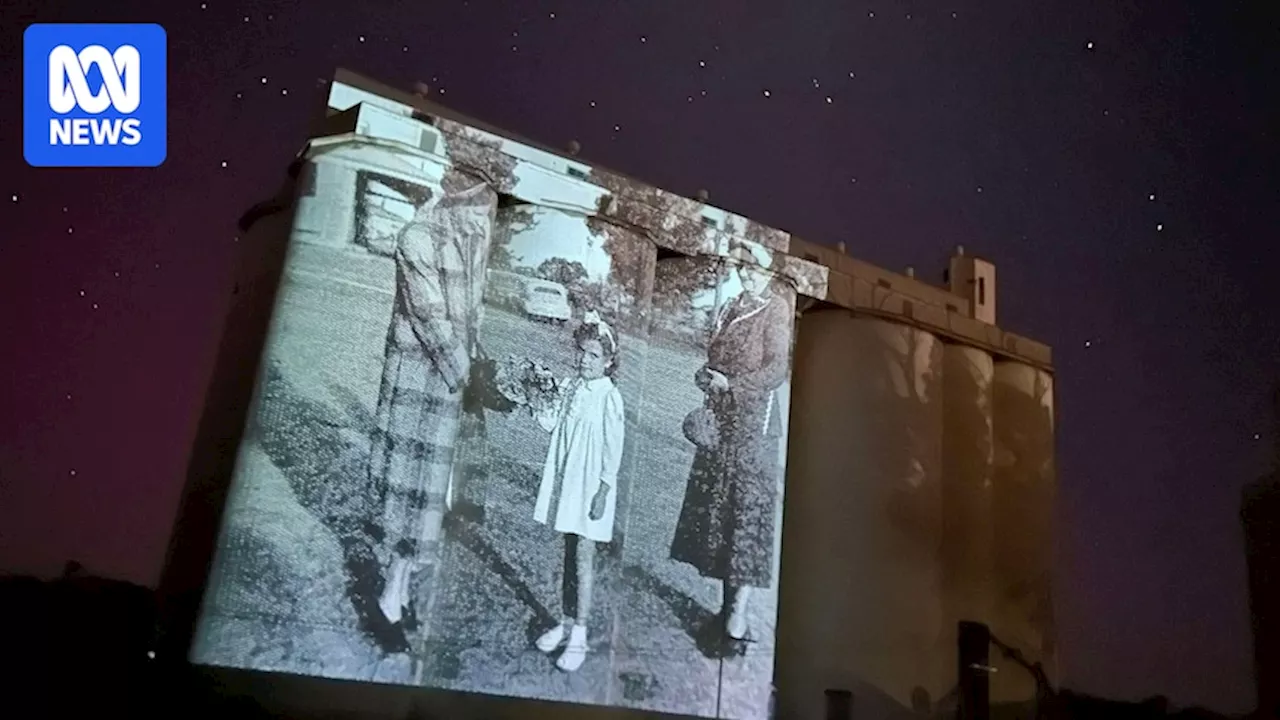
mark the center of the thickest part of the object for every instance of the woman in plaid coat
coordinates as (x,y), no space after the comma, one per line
(440,262)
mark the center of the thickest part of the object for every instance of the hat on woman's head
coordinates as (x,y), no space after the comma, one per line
(750,253)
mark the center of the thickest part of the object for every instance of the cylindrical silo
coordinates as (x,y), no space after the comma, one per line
(1022,524)
(263,245)
(343,410)
(967,453)
(859,604)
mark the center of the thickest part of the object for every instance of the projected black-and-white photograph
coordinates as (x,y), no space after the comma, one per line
(699,621)
(502,448)
(615,538)
(527,598)
(332,529)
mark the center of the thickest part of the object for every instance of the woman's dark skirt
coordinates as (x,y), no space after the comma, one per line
(727,522)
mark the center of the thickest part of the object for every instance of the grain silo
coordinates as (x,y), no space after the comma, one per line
(892,528)
(863,515)
(1022,521)
(819,466)
(967,456)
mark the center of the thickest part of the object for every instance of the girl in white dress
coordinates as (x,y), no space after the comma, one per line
(578,493)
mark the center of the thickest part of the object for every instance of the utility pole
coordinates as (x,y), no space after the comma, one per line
(974,658)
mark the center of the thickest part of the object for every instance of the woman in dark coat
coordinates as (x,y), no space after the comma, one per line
(726,527)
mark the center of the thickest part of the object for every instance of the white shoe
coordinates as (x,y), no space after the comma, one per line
(573,655)
(551,639)
(395,596)
(736,627)
(391,610)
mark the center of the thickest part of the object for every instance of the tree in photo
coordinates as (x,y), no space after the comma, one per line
(500,257)
(676,283)
(513,218)
(559,270)
(631,267)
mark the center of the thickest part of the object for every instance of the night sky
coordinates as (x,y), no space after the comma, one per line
(1116,160)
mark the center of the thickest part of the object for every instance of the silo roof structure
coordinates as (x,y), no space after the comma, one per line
(820,272)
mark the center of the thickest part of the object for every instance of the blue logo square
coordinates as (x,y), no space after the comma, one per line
(94,95)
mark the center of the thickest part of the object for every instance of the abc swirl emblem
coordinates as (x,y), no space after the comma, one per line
(94,95)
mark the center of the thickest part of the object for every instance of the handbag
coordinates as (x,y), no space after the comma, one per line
(700,428)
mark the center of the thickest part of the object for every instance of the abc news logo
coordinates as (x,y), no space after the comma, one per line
(69,89)
(95,95)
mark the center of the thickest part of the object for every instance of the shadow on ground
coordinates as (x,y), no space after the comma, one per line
(323,455)
(704,627)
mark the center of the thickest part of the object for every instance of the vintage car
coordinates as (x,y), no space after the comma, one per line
(546,300)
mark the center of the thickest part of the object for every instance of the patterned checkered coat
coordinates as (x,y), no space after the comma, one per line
(440,261)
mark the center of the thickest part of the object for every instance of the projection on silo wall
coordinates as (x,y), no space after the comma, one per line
(499,447)
(968,451)
(1023,486)
(860,592)
(919,495)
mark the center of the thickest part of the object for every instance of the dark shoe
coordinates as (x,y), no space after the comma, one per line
(712,638)
(389,636)
(373,531)
(469,511)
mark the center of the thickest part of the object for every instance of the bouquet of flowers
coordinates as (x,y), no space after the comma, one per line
(528,383)
(482,392)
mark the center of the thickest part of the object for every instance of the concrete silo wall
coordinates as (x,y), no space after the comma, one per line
(1022,523)
(968,450)
(860,604)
